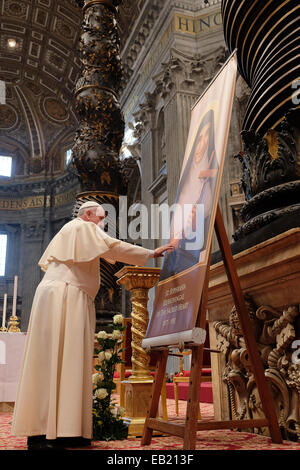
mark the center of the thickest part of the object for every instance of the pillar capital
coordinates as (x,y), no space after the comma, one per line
(136,277)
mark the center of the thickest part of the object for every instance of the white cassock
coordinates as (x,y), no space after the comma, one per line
(54,395)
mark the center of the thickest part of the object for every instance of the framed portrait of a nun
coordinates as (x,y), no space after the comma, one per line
(179,290)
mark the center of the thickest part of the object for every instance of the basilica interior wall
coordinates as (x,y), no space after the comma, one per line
(166,72)
(29,230)
(170,53)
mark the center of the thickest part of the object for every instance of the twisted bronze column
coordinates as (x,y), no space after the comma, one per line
(266,35)
(101,126)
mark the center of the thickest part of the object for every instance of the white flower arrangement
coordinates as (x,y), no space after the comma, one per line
(107,417)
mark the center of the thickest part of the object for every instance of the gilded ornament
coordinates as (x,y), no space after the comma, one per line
(138,281)
(13,325)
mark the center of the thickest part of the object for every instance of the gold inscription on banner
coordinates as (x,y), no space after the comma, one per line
(37,202)
(175,303)
(200,25)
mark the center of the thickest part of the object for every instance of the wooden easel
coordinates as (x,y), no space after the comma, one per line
(189,429)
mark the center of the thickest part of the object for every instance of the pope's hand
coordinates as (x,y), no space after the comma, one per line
(161,250)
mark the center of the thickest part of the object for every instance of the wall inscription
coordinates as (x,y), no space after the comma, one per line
(7,204)
(199,25)
(182,24)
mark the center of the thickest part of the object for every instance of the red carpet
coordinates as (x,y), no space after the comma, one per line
(206,440)
(206,395)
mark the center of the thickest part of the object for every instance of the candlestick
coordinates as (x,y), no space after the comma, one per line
(14,308)
(4,313)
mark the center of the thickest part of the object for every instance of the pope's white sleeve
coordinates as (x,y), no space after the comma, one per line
(128,253)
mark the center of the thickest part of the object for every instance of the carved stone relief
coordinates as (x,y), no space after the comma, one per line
(270,181)
(275,333)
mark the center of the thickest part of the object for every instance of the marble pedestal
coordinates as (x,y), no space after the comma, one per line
(138,387)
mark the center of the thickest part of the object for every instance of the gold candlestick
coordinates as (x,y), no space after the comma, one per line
(13,324)
(138,281)
(138,387)
(3,327)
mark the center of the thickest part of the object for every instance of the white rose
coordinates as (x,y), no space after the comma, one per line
(107,355)
(118,319)
(101,356)
(116,334)
(121,411)
(102,335)
(101,393)
(96,378)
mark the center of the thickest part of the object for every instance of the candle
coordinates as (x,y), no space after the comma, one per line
(4,310)
(14,308)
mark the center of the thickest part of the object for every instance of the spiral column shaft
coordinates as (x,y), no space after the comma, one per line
(101,129)
(101,124)
(266,34)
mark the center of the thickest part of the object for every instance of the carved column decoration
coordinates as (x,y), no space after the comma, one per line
(270,179)
(101,130)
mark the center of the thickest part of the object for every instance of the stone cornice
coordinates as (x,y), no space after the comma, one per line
(145,25)
(195,5)
(38,187)
(167,36)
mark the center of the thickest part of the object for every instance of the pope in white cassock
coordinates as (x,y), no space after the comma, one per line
(54,398)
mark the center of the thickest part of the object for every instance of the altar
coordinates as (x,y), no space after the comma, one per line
(11,355)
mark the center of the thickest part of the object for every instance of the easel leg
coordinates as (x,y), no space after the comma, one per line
(190,433)
(176,398)
(193,405)
(156,391)
(164,400)
(258,369)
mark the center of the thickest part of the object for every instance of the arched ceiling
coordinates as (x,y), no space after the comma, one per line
(40,73)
